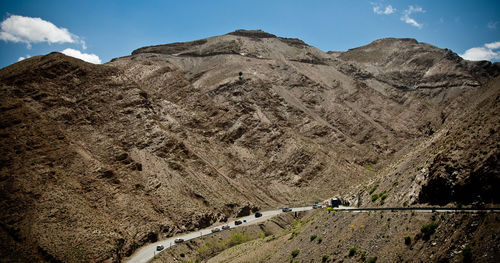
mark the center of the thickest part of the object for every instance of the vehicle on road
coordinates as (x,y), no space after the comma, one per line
(225,227)
(237,222)
(258,214)
(286,209)
(316,206)
(214,230)
(334,202)
(178,240)
(244,220)
(159,248)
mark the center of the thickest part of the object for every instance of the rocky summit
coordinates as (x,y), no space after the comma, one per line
(97,160)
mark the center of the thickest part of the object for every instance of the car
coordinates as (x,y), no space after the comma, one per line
(237,222)
(316,206)
(215,230)
(159,248)
(225,227)
(258,214)
(244,220)
(286,209)
(477,205)
(334,202)
(178,240)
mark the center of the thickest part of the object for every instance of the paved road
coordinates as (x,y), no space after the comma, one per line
(421,209)
(147,252)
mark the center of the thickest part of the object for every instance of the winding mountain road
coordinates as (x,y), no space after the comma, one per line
(147,252)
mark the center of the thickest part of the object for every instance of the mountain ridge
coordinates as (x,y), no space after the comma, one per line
(173,137)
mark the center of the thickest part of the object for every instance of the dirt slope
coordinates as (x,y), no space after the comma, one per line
(368,237)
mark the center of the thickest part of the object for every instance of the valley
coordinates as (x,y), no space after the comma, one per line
(99,160)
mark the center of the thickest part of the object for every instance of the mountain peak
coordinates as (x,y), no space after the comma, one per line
(237,42)
(252,33)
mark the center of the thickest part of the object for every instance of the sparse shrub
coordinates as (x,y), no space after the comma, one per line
(237,238)
(297,224)
(369,168)
(320,240)
(407,240)
(324,258)
(363,256)
(405,204)
(373,189)
(395,183)
(352,251)
(295,253)
(467,254)
(374,197)
(312,237)
(182,255)
(429,229)
(294,234)
(215,246)
(372,260)
(383,196)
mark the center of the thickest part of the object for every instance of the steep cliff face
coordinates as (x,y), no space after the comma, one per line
(464,167)
(98,159)
(456,164)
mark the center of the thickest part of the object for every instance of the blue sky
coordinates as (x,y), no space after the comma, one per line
(110,28)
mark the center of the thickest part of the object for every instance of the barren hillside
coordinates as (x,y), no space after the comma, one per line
(100,159)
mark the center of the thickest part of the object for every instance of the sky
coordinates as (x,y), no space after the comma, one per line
(98,31)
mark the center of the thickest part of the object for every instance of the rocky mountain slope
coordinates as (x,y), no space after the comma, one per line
(382,236)
(99,159)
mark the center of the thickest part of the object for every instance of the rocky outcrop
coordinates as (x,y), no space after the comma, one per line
(465,167)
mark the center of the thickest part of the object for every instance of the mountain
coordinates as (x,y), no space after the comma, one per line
(100,159)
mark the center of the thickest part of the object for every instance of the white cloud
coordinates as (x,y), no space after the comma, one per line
(388,10)
(492,25)
(23,58)
(406,16)
(35,30)
(494,45)
(92,58)
(483,53)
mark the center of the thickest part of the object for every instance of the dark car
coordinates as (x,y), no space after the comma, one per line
(244,220)
(237,222)
(258,214)
(159,248)
(334,202)
(286,209)
(225,227)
